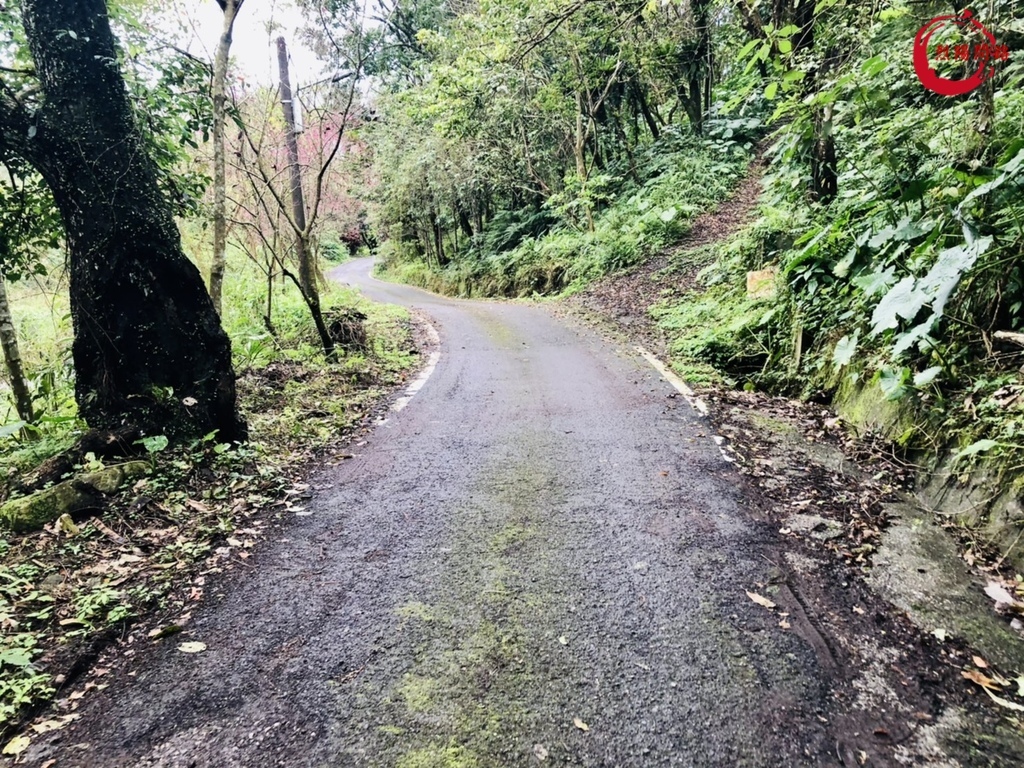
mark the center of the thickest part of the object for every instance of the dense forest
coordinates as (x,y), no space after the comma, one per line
(166,228)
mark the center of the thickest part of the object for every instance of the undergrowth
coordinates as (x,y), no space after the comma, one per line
(683,177)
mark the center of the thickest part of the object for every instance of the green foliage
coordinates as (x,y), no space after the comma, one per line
(154,444)
(909,277)
(536,117)
(688,176)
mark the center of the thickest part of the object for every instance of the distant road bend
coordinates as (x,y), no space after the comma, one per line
(541,560)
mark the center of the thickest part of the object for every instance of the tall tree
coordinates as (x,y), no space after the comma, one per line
(218,88)
(149,351)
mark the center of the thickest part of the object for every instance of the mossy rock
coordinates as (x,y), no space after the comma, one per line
(863,406)
(30,513)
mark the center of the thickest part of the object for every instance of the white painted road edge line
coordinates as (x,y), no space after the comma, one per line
(691,397)
(420,380)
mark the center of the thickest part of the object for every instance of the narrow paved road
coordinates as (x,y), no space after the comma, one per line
(541,560)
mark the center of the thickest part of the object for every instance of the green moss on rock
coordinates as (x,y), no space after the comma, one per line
(31,513)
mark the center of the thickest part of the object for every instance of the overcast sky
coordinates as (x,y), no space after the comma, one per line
(253,49)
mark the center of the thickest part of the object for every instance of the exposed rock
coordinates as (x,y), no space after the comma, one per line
(919,570)
(761,283)
(815,526)
(30,513)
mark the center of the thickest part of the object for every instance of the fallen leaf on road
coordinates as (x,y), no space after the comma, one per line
(1003,599)
(1020,685)
(580,724)
(979,662)
(941,634)
(763,601)
(66,524)
(48,725)
(540,752)
(563,640)
(192,647)
(161,632)
(858,610)
(1004,703)
(17,745)
(979,679)
(784,624)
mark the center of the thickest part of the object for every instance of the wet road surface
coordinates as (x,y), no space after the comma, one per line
(541,560)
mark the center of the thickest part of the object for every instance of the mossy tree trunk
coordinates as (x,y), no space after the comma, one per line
(149,349)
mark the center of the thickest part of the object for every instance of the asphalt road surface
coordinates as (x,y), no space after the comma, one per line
(541,560)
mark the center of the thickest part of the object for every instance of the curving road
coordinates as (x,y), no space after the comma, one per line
(541,560)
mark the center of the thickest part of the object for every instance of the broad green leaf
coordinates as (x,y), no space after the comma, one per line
(951,265)
(893,383)
(746,49)
(902,300)
(873,66)
(771,89)
(1009,171)
(881,238)
(842,267)
(15,657)
(908,230)
(785,46)
(927,376)
(846,348)
(914,336)
(980,446)
(8,430)
(875,282)
(154,443)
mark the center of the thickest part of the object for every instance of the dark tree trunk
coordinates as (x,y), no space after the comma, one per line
(467,228)
(645,110)
(824,175)
(149,350)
